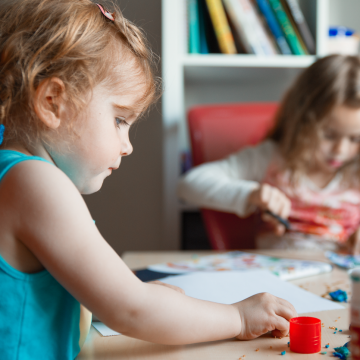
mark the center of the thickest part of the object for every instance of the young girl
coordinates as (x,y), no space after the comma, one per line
(306,171)
(73,78)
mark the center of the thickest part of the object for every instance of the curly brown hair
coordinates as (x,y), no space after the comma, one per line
(71,40)
(330,81)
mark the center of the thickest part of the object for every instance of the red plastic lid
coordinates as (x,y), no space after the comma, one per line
(305,335)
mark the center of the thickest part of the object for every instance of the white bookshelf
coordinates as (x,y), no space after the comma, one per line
(199,79)
(219,60)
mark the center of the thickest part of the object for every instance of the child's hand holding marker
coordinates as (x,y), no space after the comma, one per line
(275,205)
(262,313)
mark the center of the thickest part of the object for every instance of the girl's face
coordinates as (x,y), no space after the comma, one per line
(102,131)
(339,139)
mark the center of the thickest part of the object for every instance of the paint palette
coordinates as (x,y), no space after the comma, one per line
(286,269)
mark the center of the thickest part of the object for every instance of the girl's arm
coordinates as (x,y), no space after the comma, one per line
(48,215)
(226,185)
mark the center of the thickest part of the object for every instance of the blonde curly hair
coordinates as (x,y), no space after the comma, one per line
(71,40)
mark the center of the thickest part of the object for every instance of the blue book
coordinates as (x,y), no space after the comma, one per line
(194,27)
(274,26)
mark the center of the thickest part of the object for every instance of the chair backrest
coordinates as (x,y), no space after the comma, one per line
(215,132)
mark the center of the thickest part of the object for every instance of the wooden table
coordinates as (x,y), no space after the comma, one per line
(121,347)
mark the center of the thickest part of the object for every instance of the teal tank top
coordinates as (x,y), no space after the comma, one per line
(39,319)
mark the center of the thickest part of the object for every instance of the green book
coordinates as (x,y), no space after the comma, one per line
(288,29)
(194,27)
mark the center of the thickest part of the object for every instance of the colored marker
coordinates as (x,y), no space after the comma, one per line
(279,219)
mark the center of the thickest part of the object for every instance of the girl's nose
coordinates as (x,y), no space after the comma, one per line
(126,147)
(341,146)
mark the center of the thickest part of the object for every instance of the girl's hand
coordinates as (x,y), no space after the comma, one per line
(176,288)
(270,198)
(264,312)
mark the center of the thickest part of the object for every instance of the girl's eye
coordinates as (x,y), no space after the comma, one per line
(329,135)
(355,139)
(121,121)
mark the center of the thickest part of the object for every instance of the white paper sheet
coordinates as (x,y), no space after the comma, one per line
(232,286)
(103,329)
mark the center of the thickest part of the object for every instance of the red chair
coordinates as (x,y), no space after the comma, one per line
(215,132)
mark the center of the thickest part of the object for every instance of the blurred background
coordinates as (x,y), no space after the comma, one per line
(128,208)
(137,208)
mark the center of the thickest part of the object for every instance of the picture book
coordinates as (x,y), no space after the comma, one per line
(221,26)
(204,49)
(287,27)
(207,31)
(300,22)
(193,27)
(249,27)
(286,269)
(274,26)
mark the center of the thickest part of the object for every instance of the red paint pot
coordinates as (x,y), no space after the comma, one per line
(305,335)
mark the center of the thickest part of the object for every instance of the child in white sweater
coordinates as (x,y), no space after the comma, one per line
(306,171)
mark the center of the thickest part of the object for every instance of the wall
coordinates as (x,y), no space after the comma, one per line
(127,209)
(345,12)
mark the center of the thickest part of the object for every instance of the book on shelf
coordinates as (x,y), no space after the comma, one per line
(298,19)
(221,26)
(193,27)
(288,13)
(249,27)
(265,8)
(287,27)
(209,31)
(204,49)
(260,27)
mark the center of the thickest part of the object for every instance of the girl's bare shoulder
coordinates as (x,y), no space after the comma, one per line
(29,193)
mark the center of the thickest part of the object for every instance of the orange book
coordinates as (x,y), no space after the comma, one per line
(221,27)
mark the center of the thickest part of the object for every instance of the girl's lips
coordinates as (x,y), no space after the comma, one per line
(335,163)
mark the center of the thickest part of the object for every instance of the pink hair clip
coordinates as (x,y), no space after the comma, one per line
(106,13)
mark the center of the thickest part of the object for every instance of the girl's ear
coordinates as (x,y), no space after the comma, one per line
(49,102)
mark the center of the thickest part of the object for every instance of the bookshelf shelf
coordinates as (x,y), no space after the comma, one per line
(248,61)
(198,79)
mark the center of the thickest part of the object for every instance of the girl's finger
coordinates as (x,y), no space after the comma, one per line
(286,207)
(281,325)
(273,203)
(265,193)
(278,333)
(285,309)
(280,229)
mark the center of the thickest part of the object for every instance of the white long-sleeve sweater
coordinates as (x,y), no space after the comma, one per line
(226,184)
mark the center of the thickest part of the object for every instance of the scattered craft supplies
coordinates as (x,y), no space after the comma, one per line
(342,352)
(343,260)
(338,295)
(232,286)
(286,269)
